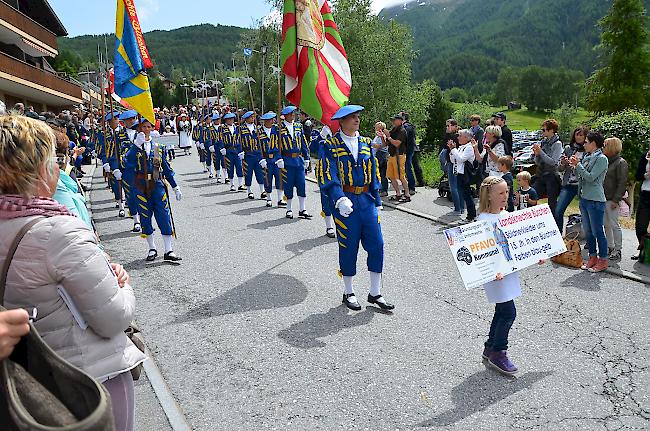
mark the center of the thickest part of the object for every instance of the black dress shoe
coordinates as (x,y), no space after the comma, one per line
(381,304)
(152,256)
(171,257)
(289,214)
(218,180)
(251,196)
(121,213)
(263,195)
(330,233)
(304,214)
(352,305)
(282,204)
(137,227)
(227,181)
(269,204)
(241,188)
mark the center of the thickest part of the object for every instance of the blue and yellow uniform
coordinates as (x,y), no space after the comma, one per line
(270,143)
(231,141)
(249,135)
(197,137)
(112,146)
(327,206)
(295,152)
(339,176)
(148,169)
(210,133)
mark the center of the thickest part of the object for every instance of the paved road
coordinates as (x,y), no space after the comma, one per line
(250,334)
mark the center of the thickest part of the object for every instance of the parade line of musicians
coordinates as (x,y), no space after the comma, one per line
(277,155)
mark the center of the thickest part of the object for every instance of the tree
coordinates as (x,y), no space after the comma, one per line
(159,94)
(457,95)
(622,82)
(507,86)
(439,112)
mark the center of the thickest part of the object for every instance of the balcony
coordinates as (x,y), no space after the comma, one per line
(25,28)
(17,77)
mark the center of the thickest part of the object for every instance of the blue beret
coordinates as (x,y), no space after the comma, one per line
(268,116)
(135,125)
(246,115)
(206,116)
(229,115)
(347,110)
(288,110)
(128,114)
(114,114)
(215,117)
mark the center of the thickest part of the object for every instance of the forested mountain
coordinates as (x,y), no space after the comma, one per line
(193,48)
(463,43)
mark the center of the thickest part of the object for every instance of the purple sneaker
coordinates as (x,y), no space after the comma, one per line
(500,361)
(486,353)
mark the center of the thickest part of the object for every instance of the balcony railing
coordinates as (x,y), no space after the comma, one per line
(38,76)
(28,25)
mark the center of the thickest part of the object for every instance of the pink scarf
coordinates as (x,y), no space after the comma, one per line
(14,206)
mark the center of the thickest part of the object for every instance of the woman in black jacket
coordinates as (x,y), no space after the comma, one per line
(643,211)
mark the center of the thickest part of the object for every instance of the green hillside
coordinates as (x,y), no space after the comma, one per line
(464,43)
(193,48)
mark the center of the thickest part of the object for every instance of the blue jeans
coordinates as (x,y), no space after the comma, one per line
(504,316)
(567,194)
(593,215)
(410,177)
(456,194)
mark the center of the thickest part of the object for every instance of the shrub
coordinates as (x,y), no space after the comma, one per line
(565,116)
(633,128)
(431,169)
(457,95)
(464,112)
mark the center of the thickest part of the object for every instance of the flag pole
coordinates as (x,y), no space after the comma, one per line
(249,84)
(103,113)
(234,69)
(279,89)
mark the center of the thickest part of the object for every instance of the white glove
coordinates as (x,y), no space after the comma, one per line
(308,123)
(211,149)
(380,208)
(154,134)
(139,140)
(107,167)
(241,155)
(179,195)
(200,146)
(223,151)
(280,163)
(344,205)
(263,163)
(94,153)
(306,164)
(325,132)
(117,174)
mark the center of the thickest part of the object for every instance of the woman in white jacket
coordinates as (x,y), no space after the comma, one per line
(84,303)
(459,156)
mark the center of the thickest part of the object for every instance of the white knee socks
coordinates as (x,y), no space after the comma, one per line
(347,284)
(375,283)
(250,189)
(240,180)
(136,218)
(168,243)
(151,242)
(329,222)
(261,186)
(289,204)
(279,193)
(301,202)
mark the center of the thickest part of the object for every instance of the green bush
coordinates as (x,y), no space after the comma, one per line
(463,112)
(565,116)
(633,128)
(430,168)
(456,94)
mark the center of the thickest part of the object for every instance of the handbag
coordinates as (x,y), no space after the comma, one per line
(133,332)
(41,391)
(573,256)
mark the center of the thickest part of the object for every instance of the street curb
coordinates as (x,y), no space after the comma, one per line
(173,411)
(613,271)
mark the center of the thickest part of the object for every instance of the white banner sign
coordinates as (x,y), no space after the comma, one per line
(518,240)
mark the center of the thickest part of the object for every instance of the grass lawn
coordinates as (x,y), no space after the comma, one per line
(524,119)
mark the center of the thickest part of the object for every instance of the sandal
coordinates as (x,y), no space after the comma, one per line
(405,199)
(395,198)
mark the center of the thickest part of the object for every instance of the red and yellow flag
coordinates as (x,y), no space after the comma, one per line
(317,73)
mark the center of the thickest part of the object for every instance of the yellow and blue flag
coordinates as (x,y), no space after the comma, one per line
(131,61)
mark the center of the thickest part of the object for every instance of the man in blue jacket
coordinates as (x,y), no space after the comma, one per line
(294,161)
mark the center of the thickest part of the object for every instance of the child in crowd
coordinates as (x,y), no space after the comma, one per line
(494,195)
(505,165)
(526,196)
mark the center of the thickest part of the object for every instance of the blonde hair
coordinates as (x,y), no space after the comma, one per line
(614,145)
(524,175)
(494,130)
(484,194)
(25,146)
(380,124)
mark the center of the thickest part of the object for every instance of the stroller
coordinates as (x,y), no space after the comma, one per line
(444,191)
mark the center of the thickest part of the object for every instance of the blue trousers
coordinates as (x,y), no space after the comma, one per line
(456,195)
(504,316)
(217,160)
(233,163)
(567,193)
(252,164)
(293,176)
(131,198)
(410,177)
(157,206)
(272,171)
(115,187)
(593,216)
(362,226)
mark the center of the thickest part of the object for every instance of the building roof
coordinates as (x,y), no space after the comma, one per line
(41,12)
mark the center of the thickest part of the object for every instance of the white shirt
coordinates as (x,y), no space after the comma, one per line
(352,142)
(267,131)
(499,291)
(147,146)
(645,185)
(250,126)
(289,127)
(231,127)
(459,156)
(131,134)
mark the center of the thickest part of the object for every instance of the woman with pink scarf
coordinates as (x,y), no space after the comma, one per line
(84,303)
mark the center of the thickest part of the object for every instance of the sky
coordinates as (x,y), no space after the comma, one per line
(81,17)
